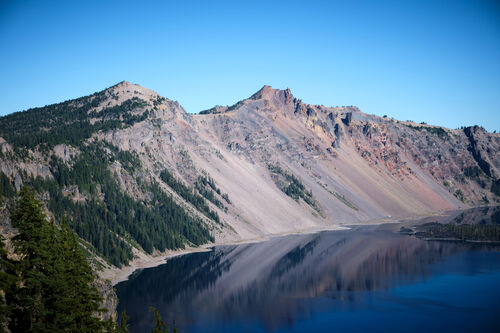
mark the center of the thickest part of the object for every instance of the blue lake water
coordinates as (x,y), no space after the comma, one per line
(365,279)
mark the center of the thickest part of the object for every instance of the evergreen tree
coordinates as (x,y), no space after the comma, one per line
(33,243)
(8,281)
(71,298)
(160,326)
(55,292)
(123,327)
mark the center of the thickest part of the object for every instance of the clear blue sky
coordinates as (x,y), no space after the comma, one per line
(433,61)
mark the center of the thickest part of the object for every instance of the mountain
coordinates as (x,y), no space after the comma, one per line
(135,175)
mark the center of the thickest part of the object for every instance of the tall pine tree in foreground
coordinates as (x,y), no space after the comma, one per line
(49,288)
(8,282)
(53,292)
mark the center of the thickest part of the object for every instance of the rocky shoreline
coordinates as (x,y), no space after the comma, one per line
(116,275)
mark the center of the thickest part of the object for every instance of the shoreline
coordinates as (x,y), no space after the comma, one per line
(117,275)
(143,260)
(458,240)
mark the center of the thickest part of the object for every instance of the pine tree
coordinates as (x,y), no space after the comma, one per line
(8,282)
(72,299)
(123,327)
(160,326)
(55,293)
(33,244)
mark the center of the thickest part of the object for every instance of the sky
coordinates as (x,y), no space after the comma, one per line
(428,61)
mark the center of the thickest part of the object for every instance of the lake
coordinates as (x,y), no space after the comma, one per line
(369,278)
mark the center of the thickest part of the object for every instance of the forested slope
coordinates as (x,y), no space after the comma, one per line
(131,172)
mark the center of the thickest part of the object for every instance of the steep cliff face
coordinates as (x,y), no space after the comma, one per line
(381,166)
(157,178)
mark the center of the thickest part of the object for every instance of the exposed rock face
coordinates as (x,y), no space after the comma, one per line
(348,118)
(358,166)
(480,147)
(379,166)
(110,300)
(385,167)
(354,166)
(65,152)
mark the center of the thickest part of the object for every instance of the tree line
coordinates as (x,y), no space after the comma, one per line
(292,186)
(465,232)
(109,215)
(68,122)
(49,286)
(189,194)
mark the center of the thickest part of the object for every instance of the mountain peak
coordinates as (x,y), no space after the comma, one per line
(127,90)
(269,93)
(123,83)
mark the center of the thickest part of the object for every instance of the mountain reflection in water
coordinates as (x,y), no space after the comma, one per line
(270,282)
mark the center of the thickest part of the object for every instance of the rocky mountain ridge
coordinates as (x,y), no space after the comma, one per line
(158,178)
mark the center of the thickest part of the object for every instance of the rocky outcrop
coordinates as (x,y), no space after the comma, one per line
(428,157)
(348,118)
(358,166)
(477,147)
(109,298)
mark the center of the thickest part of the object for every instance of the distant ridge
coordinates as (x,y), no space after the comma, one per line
(136,175)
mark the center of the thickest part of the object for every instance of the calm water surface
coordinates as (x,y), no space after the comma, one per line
(365,279)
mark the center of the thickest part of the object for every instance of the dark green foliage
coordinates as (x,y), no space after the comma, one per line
(8,283)
(123,326)
(160,223)
(207,180)
(54,292)
(405,230)
(6,188)
(158,101)
(188,194)
(129,161)
(475,173)
(292,186)
(466,232)
(226,198)
(209,111)
(67,122)
(459,195)
(122,112)
(434,130)
(236,106)
(177,224)
(207,188)
(160,326)
(106,216)
(208,194)
(340,197)
(31,127)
